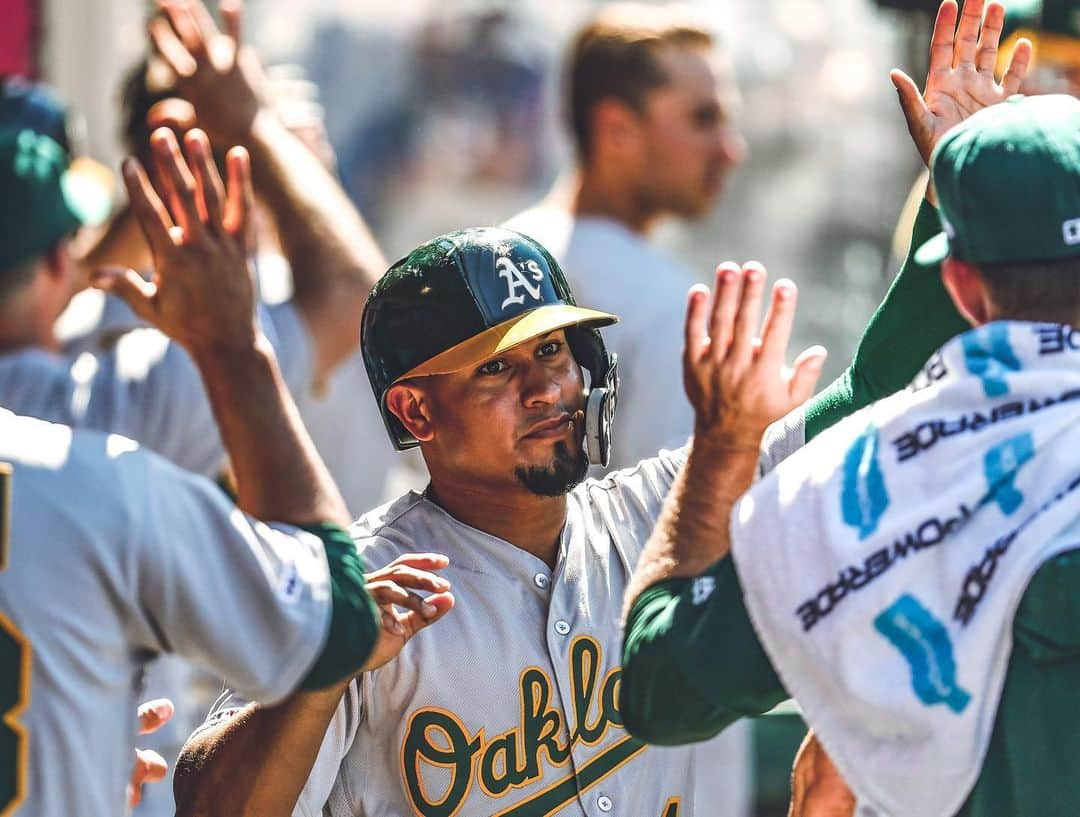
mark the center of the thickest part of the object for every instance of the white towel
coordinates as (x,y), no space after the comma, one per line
(883,563)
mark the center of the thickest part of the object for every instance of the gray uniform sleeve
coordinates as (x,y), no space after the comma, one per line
(248,601)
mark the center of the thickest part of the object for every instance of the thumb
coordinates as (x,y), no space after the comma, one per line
(129,286)
(805,374)
(154,714)
(912,104)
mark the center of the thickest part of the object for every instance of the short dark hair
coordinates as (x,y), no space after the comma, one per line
(18,275)
(614,56)
(1035,290)
(143,87)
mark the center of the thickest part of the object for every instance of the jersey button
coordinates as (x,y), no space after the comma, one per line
(561,627)
(541,581)
(603,802)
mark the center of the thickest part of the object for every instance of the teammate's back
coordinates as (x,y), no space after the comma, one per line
(111,555)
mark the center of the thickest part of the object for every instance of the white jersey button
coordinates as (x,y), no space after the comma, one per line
(562,628)
(541,581)
(603,802)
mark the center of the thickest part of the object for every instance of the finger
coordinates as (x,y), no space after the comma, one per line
(174,112)
(129,286)
(240,195)
(177,178)
(1018,67)
(967,34)
(207,180)
(187,29)
(941,42)
(423,561)
(748,316)
(389,593)
(153,217)
(154,714)
(405,576)
(413,622)
(232,17)
(779,319)
(204,20)
(916,114)
(805,374)
(986,56)
(725,307)
(150,767)
(169,47)
(695,340)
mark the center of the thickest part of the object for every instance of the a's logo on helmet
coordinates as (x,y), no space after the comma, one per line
(517,280)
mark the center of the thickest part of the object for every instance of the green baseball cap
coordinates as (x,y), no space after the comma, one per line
(1008,184)
(44,193)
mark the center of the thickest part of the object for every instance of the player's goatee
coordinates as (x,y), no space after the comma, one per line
(566,470)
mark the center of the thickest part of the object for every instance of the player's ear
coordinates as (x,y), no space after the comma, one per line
(411,406)
(967,290)
(616,127)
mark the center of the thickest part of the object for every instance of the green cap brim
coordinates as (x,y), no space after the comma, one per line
(933,251)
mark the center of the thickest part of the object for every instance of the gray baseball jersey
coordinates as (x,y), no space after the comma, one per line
(142,386)
(110,555)
(508,706)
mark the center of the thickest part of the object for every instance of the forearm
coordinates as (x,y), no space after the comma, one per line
(915,318)
(257,762)
(279,475)
(692,531)
(331,251)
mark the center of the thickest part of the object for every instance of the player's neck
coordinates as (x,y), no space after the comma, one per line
(605,193)
(525,520)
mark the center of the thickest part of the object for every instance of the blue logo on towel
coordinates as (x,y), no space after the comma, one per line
(989,356)
(864,497)
(1001,464)
(924,642)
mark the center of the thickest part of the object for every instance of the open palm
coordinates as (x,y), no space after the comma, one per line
(961,79)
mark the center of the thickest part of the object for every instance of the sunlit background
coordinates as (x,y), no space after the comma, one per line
(445,114)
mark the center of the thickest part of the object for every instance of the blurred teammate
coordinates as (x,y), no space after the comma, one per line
(110,555)
(650,101)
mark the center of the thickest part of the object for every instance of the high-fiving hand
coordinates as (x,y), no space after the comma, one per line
(737,381)
(961,79)
(404,611)
(201,295)
(222,78)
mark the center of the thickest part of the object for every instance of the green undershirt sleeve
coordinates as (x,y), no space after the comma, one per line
(692,664)
(354,618)
(1047,623)
(916,317)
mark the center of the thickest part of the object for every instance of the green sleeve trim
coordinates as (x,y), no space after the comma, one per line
(354,618)
(690,670)
(915,318)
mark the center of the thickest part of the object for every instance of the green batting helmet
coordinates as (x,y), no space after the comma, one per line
(466,296)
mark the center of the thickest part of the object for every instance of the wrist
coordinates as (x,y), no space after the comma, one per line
(231,354)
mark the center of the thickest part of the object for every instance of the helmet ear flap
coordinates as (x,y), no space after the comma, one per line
(600,401)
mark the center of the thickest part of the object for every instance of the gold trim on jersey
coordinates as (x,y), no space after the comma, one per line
(515,759)
(11,717)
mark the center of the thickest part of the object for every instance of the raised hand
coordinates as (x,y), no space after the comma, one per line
(201,295)
(150,767)
(404,611)
(961,79)
(217,74)
(736,381)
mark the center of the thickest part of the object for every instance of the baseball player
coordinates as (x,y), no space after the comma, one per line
(110,555)
(478,354)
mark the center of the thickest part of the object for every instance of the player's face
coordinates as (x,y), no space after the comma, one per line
(689,142)
(518,417)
